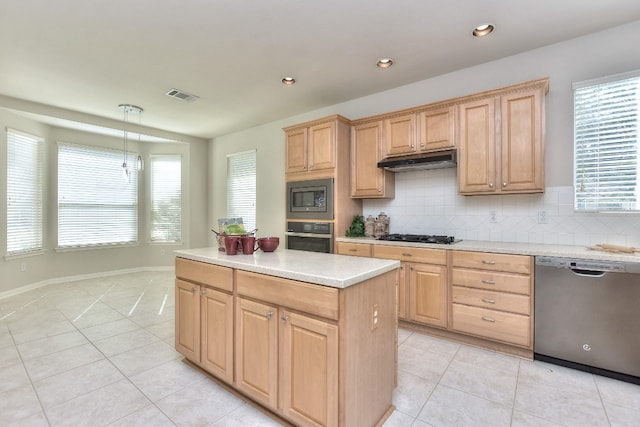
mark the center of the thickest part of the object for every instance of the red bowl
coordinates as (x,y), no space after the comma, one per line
(268,244)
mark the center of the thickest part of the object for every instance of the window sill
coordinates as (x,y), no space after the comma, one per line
(19,255)
(92,247)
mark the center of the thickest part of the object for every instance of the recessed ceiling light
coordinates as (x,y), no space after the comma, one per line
(384,63)
(288,80)
(482,30)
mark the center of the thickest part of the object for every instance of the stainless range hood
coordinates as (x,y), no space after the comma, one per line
(421,161)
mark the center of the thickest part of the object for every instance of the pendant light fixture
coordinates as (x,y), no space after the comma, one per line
(126,109)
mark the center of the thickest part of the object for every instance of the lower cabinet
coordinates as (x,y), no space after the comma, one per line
(428,294)
(188,320)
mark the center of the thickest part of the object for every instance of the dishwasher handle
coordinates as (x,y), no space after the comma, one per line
(588,273)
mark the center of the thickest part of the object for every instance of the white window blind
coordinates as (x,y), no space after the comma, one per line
(166,198)
(607,165)
(241,187)
(97,203)
(24,193)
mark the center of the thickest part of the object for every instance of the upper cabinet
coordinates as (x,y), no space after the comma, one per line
(367,179)
(311,148)
(501,141)
(427,130)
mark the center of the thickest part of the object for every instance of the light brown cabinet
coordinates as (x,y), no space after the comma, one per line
(187,306)
(355,249)
(427,130)
(367,179)
(492,296)
(422,287)
(501,142)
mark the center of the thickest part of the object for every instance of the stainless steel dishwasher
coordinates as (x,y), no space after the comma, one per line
(587,315)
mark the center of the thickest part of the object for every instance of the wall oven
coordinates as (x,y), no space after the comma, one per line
(310,236)
(310,199)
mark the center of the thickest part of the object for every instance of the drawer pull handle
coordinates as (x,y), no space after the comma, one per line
(353,250)
(489,281)
(489,262)
(405,254)
(269,314)
(488,300)
(488,319)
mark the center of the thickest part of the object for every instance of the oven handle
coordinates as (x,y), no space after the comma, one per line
(319,236)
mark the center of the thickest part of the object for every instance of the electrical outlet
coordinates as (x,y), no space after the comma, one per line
(493,216)
(543,218)
(23,266)
(161,252)
(374,317)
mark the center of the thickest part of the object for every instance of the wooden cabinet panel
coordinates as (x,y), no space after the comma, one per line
(312,299)
(491,280)
(477,145)
(322,146)
(296,150)
(411,254)
(256,351)
(355,249)
(428,294)
(400,135)
(367,179)
(520,304)
(187,319)
(309,361)
(217,333)
(437,128)
(492,261)
(507,327)
(522,165)
(207,274)
(402,294)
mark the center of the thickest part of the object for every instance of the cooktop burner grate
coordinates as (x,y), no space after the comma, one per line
(419,238)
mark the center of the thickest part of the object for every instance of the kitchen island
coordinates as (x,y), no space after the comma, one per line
(312,337)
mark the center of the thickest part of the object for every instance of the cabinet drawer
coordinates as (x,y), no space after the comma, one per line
(519,284)
(405,253)
(207,274)
(357,249)
(497,325)
(490,261)
(519,304)
(313,299)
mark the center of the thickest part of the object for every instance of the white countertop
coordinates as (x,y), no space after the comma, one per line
(337,271)
(565,251)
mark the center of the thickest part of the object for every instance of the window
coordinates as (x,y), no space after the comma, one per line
(97,203)
(166,198)
(241,187)
(606,144)
(24,193)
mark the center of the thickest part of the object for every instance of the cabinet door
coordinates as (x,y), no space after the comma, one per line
(403,283)
(428,294)
(187,309)
(437,129)
(522,167)
(296,150)
(477,156)
(256,351)
(367,179)
(400,135)
(322,146)
(309,367)
(217,333)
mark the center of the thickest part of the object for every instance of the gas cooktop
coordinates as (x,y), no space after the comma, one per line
(419,238)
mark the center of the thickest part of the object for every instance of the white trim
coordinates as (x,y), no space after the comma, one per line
(58,280)
(606,79)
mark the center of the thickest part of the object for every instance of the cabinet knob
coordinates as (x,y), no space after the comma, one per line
(504,184)
(193,290)
(269,314)
(202,293)
(379,190)
(491,185)
(413,145)
(284,319)
(422,145)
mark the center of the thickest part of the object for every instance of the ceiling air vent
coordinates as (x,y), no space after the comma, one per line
(182,95)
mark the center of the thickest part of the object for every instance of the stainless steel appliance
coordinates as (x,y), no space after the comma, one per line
(310,236)
(419,238)
(310,199)
(587,315)
(421,161)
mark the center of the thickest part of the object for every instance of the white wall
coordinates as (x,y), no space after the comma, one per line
(595,55)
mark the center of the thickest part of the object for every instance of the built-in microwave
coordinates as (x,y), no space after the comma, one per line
(310,199)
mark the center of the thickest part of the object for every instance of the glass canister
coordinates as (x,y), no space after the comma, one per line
(381,226)
(369,225)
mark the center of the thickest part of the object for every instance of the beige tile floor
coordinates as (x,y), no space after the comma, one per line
(100,352)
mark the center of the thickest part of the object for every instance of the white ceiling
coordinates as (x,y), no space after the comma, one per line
(91,56)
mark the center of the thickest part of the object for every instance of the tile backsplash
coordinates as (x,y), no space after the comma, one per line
(427,202)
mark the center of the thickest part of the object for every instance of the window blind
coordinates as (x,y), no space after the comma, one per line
(166,198)
(241,187)
(24,193)
(606,161)
(97,204)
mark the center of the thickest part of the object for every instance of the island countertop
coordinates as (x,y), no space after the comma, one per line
(337,271)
